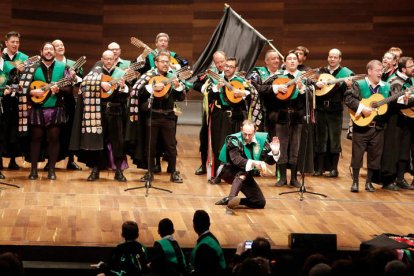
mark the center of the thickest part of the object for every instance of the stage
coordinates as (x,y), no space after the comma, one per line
(73,212)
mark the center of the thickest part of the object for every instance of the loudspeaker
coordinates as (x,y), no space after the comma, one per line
(312,241)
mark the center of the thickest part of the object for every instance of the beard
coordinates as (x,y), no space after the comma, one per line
(47,59)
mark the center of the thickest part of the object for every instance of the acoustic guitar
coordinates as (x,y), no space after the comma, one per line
(128,76)
(230,87)
(14,88)
(331,81)
(62,83)
(379,106)
(138,43)
(28,62)
(290,83)
(182,74)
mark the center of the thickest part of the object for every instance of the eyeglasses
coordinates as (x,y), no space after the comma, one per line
(409,66)
(163,61)
(229,66)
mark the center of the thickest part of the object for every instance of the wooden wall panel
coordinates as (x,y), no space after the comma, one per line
(362,30)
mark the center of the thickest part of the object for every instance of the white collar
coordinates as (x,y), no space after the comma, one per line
(402,75)
(381,83)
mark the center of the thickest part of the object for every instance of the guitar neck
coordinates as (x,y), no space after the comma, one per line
(217,77)
(81,61)
(393,97)
(335,81)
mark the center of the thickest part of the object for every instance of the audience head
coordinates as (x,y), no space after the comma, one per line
(10,265)
(201,221)
(165,227)
(261,248)
(130,230)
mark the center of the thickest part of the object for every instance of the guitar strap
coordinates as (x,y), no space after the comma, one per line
(25,81)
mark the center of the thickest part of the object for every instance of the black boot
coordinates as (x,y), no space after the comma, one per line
(2,176)
(148,176)
(176,178)
(201,170)
(72,166)
(119,176)
(51,174)
(320,163)
(94,174)
(283,180)
(294,176)
(33,174)
(355,180)
(334,160)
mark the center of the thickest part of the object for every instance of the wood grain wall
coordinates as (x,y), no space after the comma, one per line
(362,30)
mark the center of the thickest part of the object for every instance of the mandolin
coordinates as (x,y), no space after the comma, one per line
(46,87)
(28,62)
(138,43)
(128,76)
(290,83)
(182,74)
(379,107)
(331,81)
(230,87)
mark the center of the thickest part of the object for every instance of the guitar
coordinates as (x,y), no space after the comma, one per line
(379,107)
(182,74)
(128,76)
(230,87)
(45,87)
(138,43)
(331,81)
(28,62)
(290,83)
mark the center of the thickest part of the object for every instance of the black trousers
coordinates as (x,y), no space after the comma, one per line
(248,186)
(371,140)
(328,131)
(289,136)
(160,126)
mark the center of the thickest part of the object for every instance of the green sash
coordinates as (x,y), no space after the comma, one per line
(212,243)
(366,92)
(263,72)
(261,138)
(57,74)
(343,73)
(169,251)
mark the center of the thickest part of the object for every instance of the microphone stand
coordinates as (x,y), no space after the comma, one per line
(148,181)
(302,189)
(8,185)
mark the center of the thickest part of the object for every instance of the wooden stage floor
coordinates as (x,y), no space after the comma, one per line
(72,211)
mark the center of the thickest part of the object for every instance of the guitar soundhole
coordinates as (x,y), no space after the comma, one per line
(374,104)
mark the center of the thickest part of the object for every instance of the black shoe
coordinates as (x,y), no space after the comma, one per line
(214,180)
(201,170)
(223,201)
(94,175)
(391,187)
(148,176)
(72,166)
(332,173)
(281,183)
(369,187)
(317,173)
(402,183)
(33,174)
(46,167)
(119,176)
(2,176)
(13,165)
(354,187)
(51,174)
(157,169)
(176,178)
(295,183)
